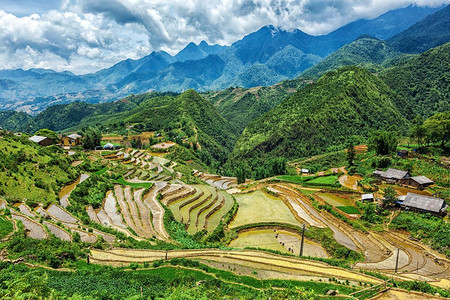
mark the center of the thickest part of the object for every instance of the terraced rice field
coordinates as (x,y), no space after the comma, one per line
(33,229)
(258,260)
(334,199)
(217,181)
(279,240)
(259,207)
(201,208)
(65,192)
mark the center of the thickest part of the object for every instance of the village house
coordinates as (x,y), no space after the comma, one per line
(41,140)
(71,140)
(392,175)
(419,182)
(423,203)
(367,197)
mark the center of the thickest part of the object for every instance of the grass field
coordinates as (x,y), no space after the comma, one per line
(258,207)
(101,171)
(325,180)
(349,210)
(5,227)
(145,185)
(291,178)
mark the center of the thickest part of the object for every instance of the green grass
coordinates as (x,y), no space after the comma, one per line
(349,210)
(325,180)
(101,171)
(5,227)
(291,178)
(307,192)
(145,185)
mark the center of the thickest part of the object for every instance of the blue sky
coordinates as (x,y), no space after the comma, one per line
(86,35)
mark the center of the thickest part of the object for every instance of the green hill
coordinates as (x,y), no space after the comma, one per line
(15,121)
(366,52)
(423,81)
(322,117)
(431,32)
(240,106)
(32,172)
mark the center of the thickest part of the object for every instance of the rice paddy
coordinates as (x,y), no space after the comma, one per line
(256,207)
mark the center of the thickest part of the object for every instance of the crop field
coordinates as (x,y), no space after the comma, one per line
(5,227)
(278,240)
(325,180)
(349,210)
(258,207)
(201,209)
(292,178)
(262,238)
(335,199)
(258,260)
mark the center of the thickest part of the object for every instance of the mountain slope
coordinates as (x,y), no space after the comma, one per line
(431,32)
(240,106)
(264,57)
(15,121)
(385,26)
(321,117)
(196,52)
(423,80)
(366,51)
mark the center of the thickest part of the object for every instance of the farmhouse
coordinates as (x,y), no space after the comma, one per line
(367,197)
(424,203)
(41,140)
(419,182)
(108,146)
(392,175)
(305,171)
(71,140)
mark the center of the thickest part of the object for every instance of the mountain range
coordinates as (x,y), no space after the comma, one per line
(265,57)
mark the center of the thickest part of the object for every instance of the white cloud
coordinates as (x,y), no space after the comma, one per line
(85,35)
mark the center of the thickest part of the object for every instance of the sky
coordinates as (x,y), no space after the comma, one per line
(83,36)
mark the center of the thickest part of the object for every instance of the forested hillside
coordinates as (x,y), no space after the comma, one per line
(322,117)
(32,172)
(366,52)
(431,32)
(423,81)
(240,106)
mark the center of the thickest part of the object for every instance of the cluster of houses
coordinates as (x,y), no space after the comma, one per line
(411,201)
(67,141)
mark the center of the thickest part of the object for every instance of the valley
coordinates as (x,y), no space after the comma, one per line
(283,166)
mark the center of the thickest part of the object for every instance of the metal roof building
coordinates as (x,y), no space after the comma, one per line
(425,203)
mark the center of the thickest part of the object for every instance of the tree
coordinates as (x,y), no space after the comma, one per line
(242,172)
(383,142)
(92,137)
(418,131)
(390,196)
(438,128)
(47,133)
(350,153)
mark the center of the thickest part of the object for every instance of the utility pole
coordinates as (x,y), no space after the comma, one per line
(396,261)
(166,254)
(303,239)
